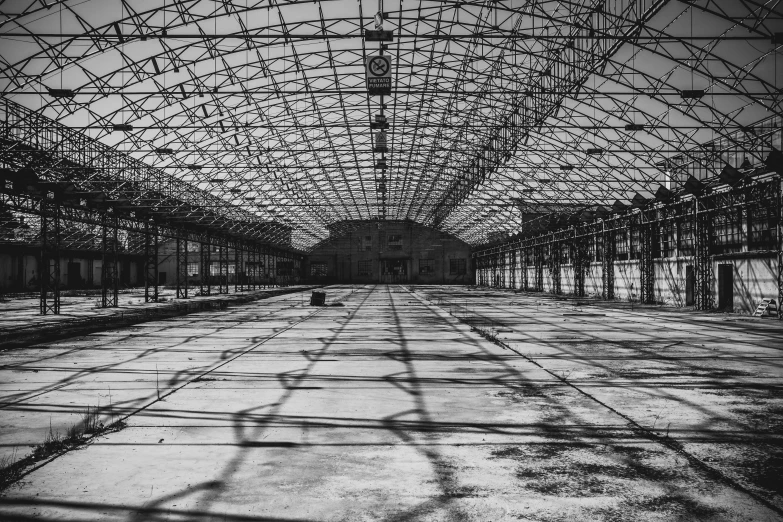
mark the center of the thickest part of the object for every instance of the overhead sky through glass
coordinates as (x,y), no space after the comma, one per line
(501,112)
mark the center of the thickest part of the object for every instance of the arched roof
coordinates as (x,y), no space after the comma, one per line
(498,106)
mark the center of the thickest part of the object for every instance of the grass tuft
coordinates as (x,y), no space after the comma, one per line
(10,470)
(76,435)
(53,442)
(91,421)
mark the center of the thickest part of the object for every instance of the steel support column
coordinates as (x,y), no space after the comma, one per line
(181,268)
(523,262)
(608,263)
(779,200)
(110,280)
(503,268)
(647,231)
(261,266)
(253,267)
(556,256)
(49,267)
(205,284)
(237,269)
(223,268)
(579,257)
(513,278)
(270,266)
(538,254)
(150,263)
(703,256)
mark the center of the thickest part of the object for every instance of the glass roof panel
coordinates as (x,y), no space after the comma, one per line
(501,112)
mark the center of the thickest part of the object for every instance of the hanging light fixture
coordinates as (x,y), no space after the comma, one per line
(61,93)
(692,94)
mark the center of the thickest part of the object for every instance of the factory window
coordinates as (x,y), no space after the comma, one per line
(636,242)
(664,247)
(597,243)
(761,226)
(621,244)
(457,267)
(318,269)
(426,266)
(254,268)
(367,243)
(192,269)
(546,254)
(214,269)
(565,253)
(395,241)
(727,231)
(365,268)
(685,237)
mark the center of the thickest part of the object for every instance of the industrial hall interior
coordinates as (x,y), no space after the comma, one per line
(391,260)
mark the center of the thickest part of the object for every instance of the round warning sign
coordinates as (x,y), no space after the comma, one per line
(379,66)
(379,74)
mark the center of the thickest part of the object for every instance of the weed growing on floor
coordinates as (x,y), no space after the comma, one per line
(91,421)
(9,470)
(487,332)
(54,443)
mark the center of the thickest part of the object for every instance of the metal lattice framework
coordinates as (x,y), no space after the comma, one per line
(259,108)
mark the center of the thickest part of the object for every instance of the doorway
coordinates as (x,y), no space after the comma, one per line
(74,275)
(394,271)
(726,287)
(690,284)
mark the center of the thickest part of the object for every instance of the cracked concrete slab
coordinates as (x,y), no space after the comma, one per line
(400,405)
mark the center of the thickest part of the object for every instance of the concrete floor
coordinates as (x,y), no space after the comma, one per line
(397,406)
(23,314)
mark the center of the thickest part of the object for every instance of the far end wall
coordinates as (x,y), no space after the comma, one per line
(391,252)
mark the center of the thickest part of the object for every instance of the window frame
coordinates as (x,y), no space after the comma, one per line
(364,267)
(458,266)
(394,241)
(323,268)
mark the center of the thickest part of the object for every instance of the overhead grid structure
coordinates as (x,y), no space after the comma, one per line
(547,134)
(67,192)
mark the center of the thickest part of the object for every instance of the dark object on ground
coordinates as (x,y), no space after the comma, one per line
(318,299)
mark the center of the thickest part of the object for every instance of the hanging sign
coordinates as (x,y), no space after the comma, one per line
(378,36)
(380,142)
(378,75)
